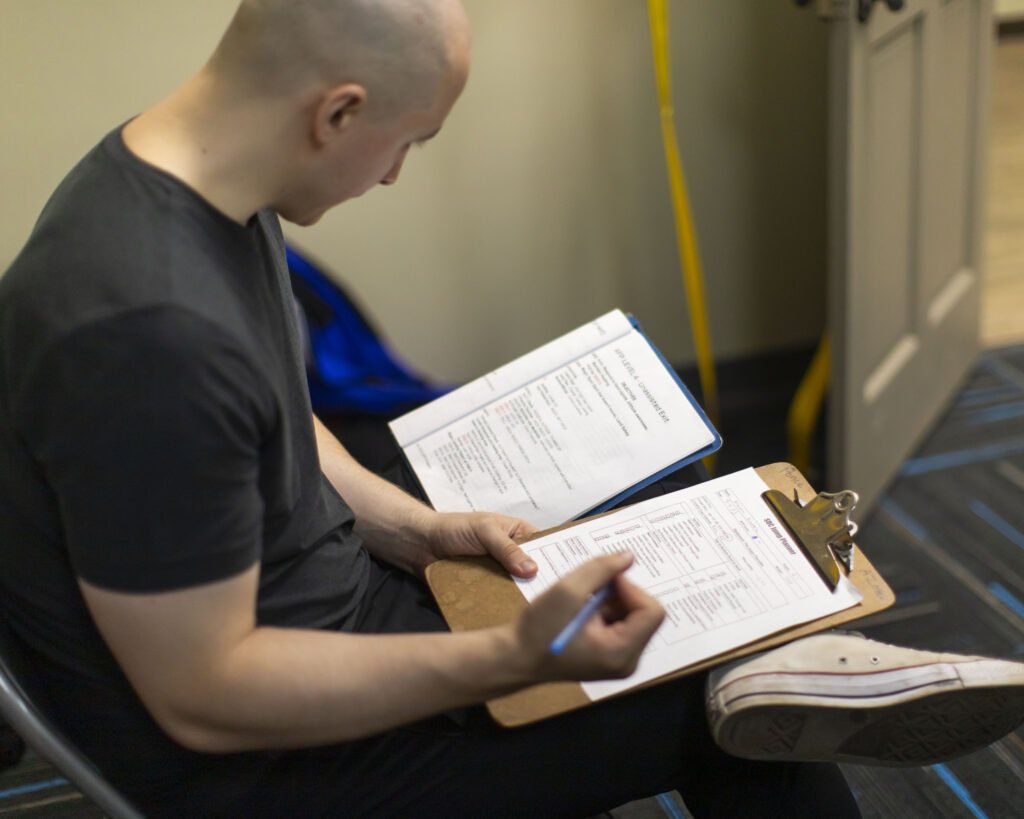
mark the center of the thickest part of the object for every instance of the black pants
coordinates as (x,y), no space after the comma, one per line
(461,764)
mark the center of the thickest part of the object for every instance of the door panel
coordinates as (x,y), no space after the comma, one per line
(890,102)
(946,207)
(908,108)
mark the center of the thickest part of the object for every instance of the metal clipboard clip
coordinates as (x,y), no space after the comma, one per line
(821,527)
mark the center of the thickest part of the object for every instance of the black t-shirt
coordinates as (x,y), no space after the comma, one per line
(155,434)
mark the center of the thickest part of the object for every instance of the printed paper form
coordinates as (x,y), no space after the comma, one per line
(454,405)
(715,556)
(556,432)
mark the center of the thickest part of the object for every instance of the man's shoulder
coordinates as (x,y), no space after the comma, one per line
(147,346)
(118,239)
(119,228)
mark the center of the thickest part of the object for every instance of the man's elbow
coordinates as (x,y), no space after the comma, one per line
(200,733)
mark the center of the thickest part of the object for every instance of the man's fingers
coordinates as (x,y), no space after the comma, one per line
(573,591)
(509,553)
(516,561)
(626,628)
(612,639)
(630,596)
(643,615)
(592,575)
(523,529)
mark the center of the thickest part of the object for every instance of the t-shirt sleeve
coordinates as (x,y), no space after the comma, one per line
(148,429)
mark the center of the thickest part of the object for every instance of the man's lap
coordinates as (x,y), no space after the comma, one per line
(577,764)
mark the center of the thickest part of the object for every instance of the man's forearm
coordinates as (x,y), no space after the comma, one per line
(392,523)
(283,688)
(218,682)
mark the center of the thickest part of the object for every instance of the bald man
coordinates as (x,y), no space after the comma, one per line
(223,608)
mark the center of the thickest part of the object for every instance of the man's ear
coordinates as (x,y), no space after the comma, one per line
(336,111)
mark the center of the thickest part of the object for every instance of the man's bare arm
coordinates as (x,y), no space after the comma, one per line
(406,533)
(390,521)
(217,682)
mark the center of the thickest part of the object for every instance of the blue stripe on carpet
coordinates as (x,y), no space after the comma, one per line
(1002,412)
(955,785)
(668,804)
(1008,598)
(1011,533)
(904,520)
(36,786)
(999,367)
(985,395)
(945,460)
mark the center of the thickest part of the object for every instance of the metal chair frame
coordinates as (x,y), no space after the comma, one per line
(42,736)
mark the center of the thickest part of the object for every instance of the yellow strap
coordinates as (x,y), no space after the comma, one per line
(689,259)
(806,407)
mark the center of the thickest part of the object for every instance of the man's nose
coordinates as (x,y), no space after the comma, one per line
(391,177)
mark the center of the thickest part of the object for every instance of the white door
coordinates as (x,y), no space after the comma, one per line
(908,110)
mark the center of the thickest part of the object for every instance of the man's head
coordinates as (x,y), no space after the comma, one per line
(365,78)
(398,50)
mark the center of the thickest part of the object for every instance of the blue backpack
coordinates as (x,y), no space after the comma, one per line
(347,365)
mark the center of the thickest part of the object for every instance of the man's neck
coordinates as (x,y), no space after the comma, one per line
(220,147)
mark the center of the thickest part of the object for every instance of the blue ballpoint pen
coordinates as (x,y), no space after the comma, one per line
(573,626)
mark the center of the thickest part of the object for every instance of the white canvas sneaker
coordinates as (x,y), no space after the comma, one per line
(840,697)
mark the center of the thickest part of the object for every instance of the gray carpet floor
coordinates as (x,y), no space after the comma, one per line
(948,536)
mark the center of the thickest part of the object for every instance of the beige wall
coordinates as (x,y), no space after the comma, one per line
(1009,9)
(543,204)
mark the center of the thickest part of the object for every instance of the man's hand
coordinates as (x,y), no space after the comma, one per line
(482,533)
(409,534)
(610,643)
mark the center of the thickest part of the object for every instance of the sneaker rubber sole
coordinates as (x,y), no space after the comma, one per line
(898,718)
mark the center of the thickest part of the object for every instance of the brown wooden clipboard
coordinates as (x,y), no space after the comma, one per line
(475,592)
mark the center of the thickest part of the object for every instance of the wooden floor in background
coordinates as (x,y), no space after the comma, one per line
(1002,311)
